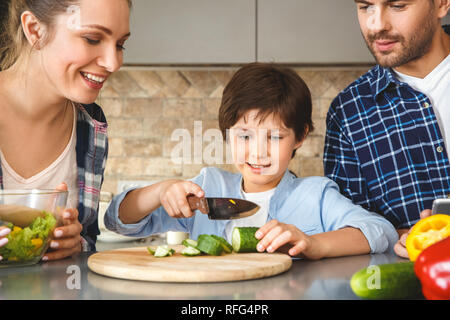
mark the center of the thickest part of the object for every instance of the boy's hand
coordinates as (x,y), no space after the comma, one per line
(275,234)
(173,197)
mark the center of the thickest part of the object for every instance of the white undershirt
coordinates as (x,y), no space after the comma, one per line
(63,169)
(262,199)
(436,86)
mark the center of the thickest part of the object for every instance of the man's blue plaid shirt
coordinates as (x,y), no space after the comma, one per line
(384,148)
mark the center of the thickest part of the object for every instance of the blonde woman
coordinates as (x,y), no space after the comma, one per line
(55,57)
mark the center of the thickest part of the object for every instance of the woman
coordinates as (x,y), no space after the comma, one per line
(56,56)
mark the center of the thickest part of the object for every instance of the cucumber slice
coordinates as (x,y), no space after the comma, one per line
(190,243)
(226,246)
(151,251)
(163,251)
(209,245)
(190,252)
(243,239)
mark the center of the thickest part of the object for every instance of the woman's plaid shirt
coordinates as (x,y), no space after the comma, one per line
(92,152)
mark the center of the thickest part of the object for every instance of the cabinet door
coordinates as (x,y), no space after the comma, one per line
(191,32)
(310,31)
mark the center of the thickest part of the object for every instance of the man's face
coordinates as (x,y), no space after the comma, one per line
(397,31)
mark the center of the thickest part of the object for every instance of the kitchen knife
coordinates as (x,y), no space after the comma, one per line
(223,208)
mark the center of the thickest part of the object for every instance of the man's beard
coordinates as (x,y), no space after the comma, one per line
(410,49)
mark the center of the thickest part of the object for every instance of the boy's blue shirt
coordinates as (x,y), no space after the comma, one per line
(312,204)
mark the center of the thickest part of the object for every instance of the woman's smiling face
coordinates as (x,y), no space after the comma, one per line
(262,150)
(86,47)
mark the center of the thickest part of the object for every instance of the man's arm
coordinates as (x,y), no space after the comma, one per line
(341,163)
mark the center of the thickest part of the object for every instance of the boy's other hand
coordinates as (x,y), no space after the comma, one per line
(275,234)
(400,246)
(173,197)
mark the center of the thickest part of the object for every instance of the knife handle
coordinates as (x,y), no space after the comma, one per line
(196,203)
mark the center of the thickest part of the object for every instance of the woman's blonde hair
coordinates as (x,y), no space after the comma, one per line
(12,37)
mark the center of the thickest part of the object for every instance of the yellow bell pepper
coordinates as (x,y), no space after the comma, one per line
(427,232)
(37,243)
(16,229)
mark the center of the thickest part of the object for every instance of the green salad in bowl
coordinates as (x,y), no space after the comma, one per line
(31,215)
(28,244)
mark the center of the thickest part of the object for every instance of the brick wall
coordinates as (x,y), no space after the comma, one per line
(144,106)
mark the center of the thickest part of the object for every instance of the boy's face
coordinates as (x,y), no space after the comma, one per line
(397,32)
(261,150)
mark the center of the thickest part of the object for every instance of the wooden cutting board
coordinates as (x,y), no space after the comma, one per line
(137,264)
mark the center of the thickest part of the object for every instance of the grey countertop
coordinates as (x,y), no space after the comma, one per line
(71,279)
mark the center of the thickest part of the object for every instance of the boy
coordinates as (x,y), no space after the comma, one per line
(267,111)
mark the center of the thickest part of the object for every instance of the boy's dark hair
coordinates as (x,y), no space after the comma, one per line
(270,89)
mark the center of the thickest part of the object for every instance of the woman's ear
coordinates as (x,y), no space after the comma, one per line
(33,29)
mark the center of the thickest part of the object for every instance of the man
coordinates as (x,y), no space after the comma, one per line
(388,132)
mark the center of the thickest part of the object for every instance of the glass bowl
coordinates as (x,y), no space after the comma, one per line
(32,215)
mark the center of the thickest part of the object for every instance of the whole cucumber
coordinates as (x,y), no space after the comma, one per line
(387,281)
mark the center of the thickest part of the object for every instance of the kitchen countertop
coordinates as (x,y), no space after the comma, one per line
(71,279)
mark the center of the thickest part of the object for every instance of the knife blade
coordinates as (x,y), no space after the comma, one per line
(223,208)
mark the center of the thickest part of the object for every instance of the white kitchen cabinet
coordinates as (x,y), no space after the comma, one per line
(242,31)
(310,31)
(192,32)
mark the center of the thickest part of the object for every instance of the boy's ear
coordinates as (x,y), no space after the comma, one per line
(33,29)
(300,142)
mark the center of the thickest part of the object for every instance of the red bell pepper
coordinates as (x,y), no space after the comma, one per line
(432,267)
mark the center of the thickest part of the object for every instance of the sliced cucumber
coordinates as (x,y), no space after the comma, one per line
(151,251)
(163,251)
(209,245)
(190,252)
(226,246)
(243,239)
(190,243)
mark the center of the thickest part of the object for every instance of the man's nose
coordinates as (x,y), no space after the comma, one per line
(378,20)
